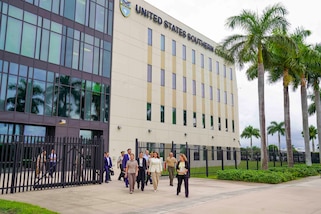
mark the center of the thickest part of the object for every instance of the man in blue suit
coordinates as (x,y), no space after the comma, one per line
(107,166)
(124,162)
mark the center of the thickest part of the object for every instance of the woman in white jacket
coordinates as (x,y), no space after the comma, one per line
(155,168)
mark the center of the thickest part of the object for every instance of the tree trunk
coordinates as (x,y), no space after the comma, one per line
(318,110)
(264,156)
(287,123)
(305,121)
(313,150)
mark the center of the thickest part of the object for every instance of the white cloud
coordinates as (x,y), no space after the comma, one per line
(209,16)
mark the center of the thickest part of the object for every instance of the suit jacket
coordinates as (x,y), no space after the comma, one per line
(155,165)
(144,163)
(186,167)
(125,159)
(108,165)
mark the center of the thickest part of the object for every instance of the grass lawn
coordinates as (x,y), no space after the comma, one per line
(13,207)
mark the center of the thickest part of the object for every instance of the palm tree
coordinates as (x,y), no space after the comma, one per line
(277,128)
(303,60)
(313,135)
(288,62)
(314,79)
(249,132)
(250,48)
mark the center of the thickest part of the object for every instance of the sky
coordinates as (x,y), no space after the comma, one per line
(208,17)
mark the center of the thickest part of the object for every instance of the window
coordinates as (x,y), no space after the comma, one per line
(202,60)
(233,126)
(232,99)
(211,93)
(162,77)
(224,70)
(226,125)
(13,38)
(150,37)
(149,111)
(217,67)
(162,114)
(194,120)
(219,153)
(173,47)
(203,120)
(219,124)
(225,97)
(193,56)
(194,87)
(184,118)
(212,122)
(149,73)
(210,67)
(231,74)
(183,52)
(162,42)
(182,149)
(173,81)
(174,115)
(218,95)
(203,90)
(184,84)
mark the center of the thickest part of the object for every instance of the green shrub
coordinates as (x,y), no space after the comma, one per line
(259,176)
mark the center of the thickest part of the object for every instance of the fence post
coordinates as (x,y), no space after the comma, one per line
(14,167)
(101,145)
(235,160)
(206,162)
(63,174)
(222,155)
(247,160)
(136,147)
(257,161)
(186,148)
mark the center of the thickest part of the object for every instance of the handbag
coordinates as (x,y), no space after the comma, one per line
(111,172)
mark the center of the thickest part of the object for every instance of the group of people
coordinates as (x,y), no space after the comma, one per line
(148,168)
(42,161)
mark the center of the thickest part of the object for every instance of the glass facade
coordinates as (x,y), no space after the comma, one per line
(41,92)
(55,61)
(96,14)
(33,36)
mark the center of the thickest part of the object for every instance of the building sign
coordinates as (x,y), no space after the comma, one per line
(172,27)
(125,7)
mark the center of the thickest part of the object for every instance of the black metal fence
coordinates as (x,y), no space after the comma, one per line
(206,160)
(201,158)
(31,163)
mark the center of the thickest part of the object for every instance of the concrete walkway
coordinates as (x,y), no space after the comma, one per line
(206,196)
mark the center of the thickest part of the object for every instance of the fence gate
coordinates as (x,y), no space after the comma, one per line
(33,163)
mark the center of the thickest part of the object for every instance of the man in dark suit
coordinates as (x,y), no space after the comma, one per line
(142,167)
(124,162)
(107,166)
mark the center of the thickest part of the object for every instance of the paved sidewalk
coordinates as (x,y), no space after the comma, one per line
(206,196)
